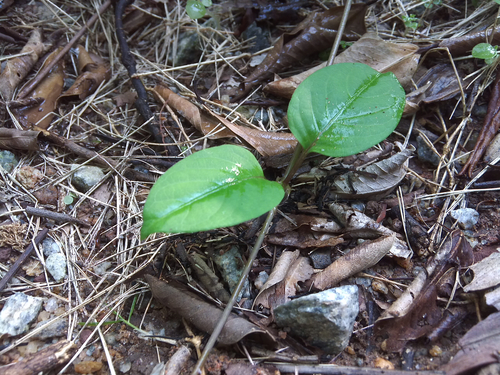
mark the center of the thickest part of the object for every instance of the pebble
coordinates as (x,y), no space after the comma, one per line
(230,265)
(379,286)
(261,279)
(87,367)
(56,266)
(383,364)
(125,366)
(436,351)
(29,176)
(425,153)
(18,312)
(466,217)
(56,329)
(51,305)
(325,319)
(86,177)
(50,247)
(101,268)
(8,160)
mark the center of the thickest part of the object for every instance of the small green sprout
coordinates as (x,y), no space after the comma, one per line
(431,3)
(485,51)
(410,21)
(197,9)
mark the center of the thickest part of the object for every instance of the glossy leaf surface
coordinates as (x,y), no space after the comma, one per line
(345,108)
(217,187)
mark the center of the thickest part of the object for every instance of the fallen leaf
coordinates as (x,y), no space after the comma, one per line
(281,285)
(375,180)
(479,347)
(18,68)
(199,313)
(49,89)
(92,71)
(208,278)
(128,97)
(486,273)
(415,313)
(304,238)
(383,56)
(356,260)
(316,33)
(13,139)
(266,143)
(204,123)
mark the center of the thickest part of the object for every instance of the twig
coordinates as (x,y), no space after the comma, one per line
(142,96)
(338,370)
(340,31)
(43,73)
(88,154)
(15,267)
(56,216)
(227,311)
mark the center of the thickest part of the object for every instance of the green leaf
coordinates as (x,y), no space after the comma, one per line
(217,187)
(207,3)
(345,108)
(484,51)
(195,9)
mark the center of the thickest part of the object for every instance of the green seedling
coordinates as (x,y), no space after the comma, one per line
(410,21)
(431,3)
(485,51)
(197,9)
(339,110)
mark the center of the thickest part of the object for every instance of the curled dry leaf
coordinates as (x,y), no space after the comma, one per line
(92,71)
(399,58)
(266,143)
(204,123)
(415,313)
(463,45)
(304,238)
(375,180)
(288,271)
(316,33)
(361,257)
(199,313)
(478,347)
(13,139)
(486,273)
(18,68)
(49,90)
(358,225)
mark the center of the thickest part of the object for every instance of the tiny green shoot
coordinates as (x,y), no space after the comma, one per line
(197,9)
(410,21)
(485,51)
(431,3)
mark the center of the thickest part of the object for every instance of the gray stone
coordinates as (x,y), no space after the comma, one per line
(101,268)
(230,265)
(466,217)
(18,312)
(86,177)
(324,319)
(56,329)
(8,160)
(259,38)
(56,266)
(425,153)
(50,247)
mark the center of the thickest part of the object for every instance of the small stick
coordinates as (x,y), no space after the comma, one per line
(15,267)
(43,73)
(56,216)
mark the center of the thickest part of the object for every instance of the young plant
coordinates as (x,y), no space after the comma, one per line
(197,9)
(485,51)
(410,21)
(338,111)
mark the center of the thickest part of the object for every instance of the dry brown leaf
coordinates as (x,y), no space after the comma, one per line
(128,97)
(486,273)
(304,238)
(92,71)
(316,33)
(18,68)
(361,257)
(204,123)
(49,89)
(13,139)
(208,278)
(266,143)
(479,346)
(375,180)
(359,225)
(290,269)
(199,313)
(314,223)
(399,58)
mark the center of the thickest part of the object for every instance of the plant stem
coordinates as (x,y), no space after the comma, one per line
(298,157)
(340,31)
(227,311)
